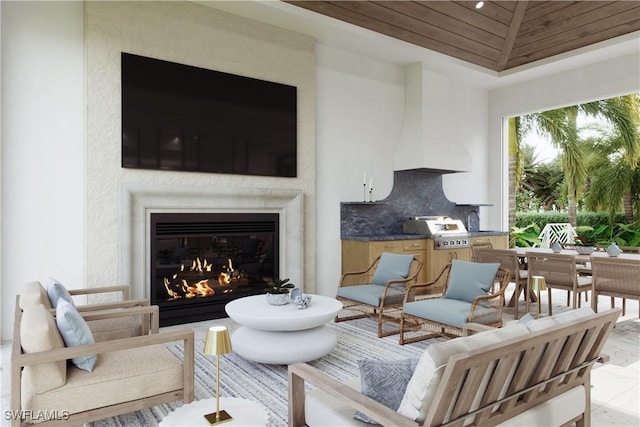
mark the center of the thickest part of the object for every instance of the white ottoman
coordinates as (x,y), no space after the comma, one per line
(283,348)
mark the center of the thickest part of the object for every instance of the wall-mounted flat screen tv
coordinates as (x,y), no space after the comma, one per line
(184,118)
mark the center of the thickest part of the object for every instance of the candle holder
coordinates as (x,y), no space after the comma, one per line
(364,192)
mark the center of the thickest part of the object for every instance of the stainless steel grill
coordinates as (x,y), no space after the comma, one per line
(446,233)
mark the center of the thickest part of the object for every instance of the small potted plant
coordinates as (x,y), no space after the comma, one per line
(278,291)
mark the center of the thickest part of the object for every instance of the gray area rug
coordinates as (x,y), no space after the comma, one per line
(267,384)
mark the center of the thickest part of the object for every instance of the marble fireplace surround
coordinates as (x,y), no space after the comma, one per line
(138,201)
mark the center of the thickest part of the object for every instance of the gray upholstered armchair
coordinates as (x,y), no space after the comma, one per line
(379,290)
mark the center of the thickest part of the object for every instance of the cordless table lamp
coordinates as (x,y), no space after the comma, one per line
(538,284)
(217,343)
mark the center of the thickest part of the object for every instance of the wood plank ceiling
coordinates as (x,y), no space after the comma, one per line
(500,35)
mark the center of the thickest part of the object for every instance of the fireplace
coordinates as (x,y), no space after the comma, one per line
(201,261)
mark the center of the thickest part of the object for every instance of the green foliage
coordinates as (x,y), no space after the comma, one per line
(591,219)
(525,237)
(279,286)
(604,234)
(594,228)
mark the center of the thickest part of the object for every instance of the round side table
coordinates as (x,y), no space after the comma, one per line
(245,413)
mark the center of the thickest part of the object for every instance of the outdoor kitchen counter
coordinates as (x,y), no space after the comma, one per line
(359,251)
(383,237)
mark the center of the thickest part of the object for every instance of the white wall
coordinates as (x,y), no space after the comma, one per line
(42,147)
(201,36)
(614,77)
(360,105)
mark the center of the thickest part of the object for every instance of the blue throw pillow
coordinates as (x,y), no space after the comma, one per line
(392,267)
(75,332)
(56,291)
(384,382)
(468,280)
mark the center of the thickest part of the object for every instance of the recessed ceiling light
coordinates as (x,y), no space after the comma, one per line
(479,5)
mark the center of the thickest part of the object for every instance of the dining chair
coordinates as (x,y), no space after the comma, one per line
(477,245)
(559,272)
(624,249)
(615,277)
(510,261)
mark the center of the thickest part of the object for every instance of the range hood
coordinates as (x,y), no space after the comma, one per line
(428,141)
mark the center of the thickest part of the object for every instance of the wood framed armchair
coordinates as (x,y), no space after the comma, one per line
(472,293)
(126,375)
(141,320)
(379,290)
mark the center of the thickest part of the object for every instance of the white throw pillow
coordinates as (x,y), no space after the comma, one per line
(428,373)
(33,293)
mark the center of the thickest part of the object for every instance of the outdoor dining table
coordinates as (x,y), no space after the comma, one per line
(580,259)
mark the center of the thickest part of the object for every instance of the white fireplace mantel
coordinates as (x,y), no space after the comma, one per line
(138,201)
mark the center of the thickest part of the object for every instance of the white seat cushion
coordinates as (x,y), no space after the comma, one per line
(120,376)
(322,409)
(554,412)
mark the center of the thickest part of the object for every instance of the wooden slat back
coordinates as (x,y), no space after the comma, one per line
(533,368)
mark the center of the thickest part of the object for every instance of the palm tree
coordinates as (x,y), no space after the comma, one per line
(615,182)
(560,125)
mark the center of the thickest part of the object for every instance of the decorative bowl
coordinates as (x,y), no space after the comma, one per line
(584,250)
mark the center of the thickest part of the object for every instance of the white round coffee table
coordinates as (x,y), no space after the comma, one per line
(283,334)
(244,412)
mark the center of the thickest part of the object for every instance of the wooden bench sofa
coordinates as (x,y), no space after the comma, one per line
(536,374)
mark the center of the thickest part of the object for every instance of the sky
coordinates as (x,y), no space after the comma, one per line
(544,149)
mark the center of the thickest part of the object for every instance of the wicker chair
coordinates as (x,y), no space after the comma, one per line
(509,260)
(559,272)
(446,315)
(615,277)
(378,291)
(624,249)
(477,245)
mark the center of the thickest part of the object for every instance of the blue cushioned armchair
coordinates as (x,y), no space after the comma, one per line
(379,290)
(471,292)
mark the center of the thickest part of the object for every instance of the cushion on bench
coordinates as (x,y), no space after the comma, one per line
(323,410)
(554,412)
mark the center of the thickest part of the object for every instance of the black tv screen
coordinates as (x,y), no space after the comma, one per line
(185,118)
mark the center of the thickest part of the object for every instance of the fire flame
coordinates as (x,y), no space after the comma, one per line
(178,287)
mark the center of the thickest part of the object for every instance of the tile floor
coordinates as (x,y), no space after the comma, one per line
(615,393)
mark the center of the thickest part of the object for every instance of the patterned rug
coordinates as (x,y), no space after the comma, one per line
(267,384)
